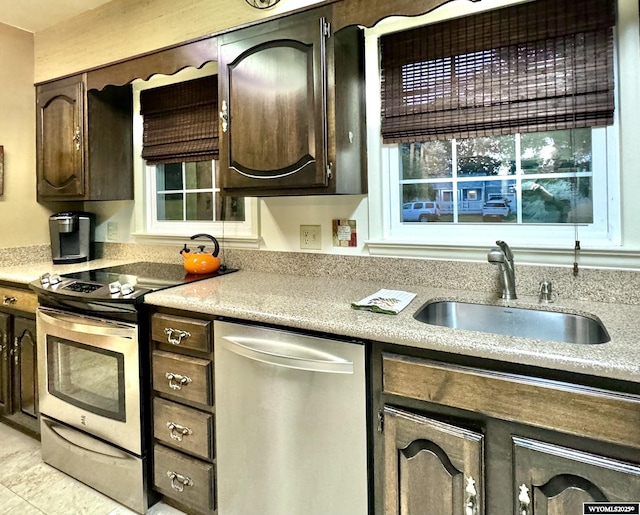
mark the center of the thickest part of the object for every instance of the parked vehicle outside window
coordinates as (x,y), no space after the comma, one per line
(495,211)
(420,211)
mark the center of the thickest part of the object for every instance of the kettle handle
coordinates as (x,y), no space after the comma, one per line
(216,245)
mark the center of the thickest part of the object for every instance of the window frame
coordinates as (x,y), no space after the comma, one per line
(388,237)
(146,227)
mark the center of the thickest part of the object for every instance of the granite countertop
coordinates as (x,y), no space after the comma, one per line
(324,304)
(25,273)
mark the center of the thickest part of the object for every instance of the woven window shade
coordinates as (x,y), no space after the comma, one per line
(538,66)
(181,121)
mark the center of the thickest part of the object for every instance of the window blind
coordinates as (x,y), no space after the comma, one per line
(180,121)
(537,66)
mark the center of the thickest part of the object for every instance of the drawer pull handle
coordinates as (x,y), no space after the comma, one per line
(178,431)
(471,501)
(176,381)
(524,500)
(175,336)
(6,300)
(178,481)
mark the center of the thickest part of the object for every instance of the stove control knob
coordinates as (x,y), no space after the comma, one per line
(44,279)
(126,289)
(115,287)
(55,279)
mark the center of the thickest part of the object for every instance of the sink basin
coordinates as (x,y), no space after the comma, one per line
(526,323)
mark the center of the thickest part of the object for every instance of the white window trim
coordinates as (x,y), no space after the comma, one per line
(146,228)
(604,251)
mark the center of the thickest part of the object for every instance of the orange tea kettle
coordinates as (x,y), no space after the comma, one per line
(201,262)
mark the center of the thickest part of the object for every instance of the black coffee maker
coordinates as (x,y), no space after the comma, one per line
(71,237)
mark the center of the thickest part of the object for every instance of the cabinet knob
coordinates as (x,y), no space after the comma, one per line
(224,116)
(76,137)
(16,351)
(177,381)
(524,500)
(178,481)
(471,497)
(175,336)
(178,432)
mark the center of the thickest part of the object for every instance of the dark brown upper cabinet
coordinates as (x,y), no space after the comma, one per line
(291,108)
(84,141)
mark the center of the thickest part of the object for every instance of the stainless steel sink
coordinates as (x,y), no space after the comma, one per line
(526,323)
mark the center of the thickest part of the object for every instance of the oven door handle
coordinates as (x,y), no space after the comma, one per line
(86,325)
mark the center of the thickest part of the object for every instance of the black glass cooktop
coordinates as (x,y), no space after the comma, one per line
(145,275)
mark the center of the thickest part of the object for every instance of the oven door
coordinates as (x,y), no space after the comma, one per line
(89,375)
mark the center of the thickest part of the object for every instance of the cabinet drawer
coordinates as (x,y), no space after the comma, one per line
(183,376)
(187,480)
(187,333)
(20,300)
(571,408)
(184,428)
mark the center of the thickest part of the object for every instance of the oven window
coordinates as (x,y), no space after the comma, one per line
(87,377)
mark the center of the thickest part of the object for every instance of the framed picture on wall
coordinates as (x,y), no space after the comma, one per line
(1,170)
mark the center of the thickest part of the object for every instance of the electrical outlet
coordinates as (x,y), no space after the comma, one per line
(112,230)
(310,237)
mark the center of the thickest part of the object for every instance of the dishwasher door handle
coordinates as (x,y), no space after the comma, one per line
(289,355)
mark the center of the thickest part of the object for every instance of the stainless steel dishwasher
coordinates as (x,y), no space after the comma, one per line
(291,433)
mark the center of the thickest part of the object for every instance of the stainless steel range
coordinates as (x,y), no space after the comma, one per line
(93,342)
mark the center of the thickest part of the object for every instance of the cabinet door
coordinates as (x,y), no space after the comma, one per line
(25,376)
(5,342)
(60,145)
(431,467)
(554,480)
(273,97)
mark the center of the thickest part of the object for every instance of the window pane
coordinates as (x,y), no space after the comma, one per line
(200,206)
(428,159)
(230,209)
(557,201)
(487,156)
(169,206)
(169,176)
(565,151)
(198,175)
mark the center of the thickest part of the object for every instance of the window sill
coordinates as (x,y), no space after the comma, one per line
(173,239)
(614,258)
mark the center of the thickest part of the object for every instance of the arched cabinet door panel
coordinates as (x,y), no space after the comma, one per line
(556,480)
(291,119)
(431,466)
(60,133)
(275,108)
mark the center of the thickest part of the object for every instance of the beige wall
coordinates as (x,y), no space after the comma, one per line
(124,28)
(22,220)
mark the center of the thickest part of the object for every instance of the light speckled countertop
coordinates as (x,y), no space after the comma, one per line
(324,305)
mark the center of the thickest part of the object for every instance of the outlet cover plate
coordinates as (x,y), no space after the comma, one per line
(311,237)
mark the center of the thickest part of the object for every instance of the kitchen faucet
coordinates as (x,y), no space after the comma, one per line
(503,258)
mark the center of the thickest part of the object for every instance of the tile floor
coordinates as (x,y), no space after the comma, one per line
(30,487)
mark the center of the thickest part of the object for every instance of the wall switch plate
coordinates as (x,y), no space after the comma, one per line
(311,237)
(112,230)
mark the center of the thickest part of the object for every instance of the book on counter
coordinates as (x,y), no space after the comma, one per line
(390,302)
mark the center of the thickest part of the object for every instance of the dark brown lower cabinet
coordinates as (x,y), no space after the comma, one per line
(18,363)
(555,480)
(463,440)
(24,373)
(430,465)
